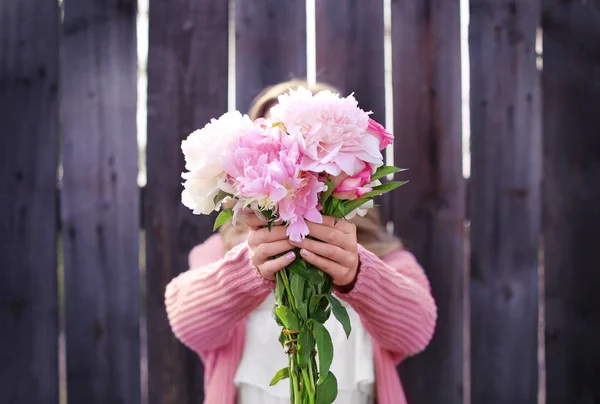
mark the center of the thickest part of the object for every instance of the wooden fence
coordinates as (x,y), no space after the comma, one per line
(68,96)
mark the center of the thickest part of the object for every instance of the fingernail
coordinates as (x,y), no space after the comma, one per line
(304,252)
(290,256)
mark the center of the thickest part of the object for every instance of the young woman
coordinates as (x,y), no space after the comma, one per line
(221,307)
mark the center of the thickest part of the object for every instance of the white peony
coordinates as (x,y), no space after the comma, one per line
(202,150)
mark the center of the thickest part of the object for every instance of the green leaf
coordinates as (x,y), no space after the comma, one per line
(279,288)
(223,217)
(302,309)
(321,315)
(349,206)
(327,286)
(281,374)
(385,171)
(324,349)
(333,206)
(340,312)
(327,194)
(384,188)
(270,225)
(220,196)
(297,285)
(288,318)
(306,344)
(314,301)
(282,338)
(327,391)
(276,317)
(299,268)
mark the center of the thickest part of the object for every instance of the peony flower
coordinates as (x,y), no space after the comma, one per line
(202,150)
(332,132)
(263,167)
(303,204)
(378,130)
(352,187)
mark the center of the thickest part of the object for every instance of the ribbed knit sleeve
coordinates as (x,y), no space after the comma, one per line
(205,304)
(394,302)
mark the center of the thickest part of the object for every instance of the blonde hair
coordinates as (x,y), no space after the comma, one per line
(369,229)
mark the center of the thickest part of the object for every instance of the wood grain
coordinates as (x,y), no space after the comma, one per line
(429,216)
(28,163)
(100,201)
(571,82)
(505,204)
(270,38)
(349,37)
(187,86)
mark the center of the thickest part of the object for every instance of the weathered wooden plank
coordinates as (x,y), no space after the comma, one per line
(28,163)
(270,47)
(349,39)
(430,214)
(571,84)
(187,85)
(505,204)
(100,201)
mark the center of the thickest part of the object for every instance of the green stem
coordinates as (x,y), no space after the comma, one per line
(311,374)
(294,378)
(309,383)
(288,290)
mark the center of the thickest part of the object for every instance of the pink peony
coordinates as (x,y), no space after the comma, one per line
(332,132)
(304,204)
(354,187)
(263,167)
(264,174)
(377,129)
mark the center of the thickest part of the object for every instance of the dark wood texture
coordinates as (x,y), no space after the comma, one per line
(28,163)
(100,201)
(350,50)
(505,205)
(430,213)
(571,82)
(187,85)
(270,47)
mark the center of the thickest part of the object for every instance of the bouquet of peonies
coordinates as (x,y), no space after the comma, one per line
(316,155)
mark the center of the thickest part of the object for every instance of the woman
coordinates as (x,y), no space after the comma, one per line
(221,307)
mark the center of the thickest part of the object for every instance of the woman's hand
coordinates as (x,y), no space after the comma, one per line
(265,244)
(335,251)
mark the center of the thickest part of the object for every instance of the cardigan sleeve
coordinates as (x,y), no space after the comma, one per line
(207,302)
(394,302)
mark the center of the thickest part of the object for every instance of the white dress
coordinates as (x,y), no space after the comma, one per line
(263,356)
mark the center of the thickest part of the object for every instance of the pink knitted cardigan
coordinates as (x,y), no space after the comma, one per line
(208,305)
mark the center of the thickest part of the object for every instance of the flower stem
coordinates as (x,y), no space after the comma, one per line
(288,290)
(309,386)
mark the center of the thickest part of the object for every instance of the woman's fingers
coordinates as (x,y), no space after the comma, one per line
(253,221)
(269,268)
(329,251)
(264,251)
(341,275)
(333,235)
(264,235)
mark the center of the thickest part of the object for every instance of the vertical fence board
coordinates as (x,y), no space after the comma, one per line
(28,161)
(430,216)
(270,47)
(100,201)
(571,81)
(350,50)
(505,200)
(187,85)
